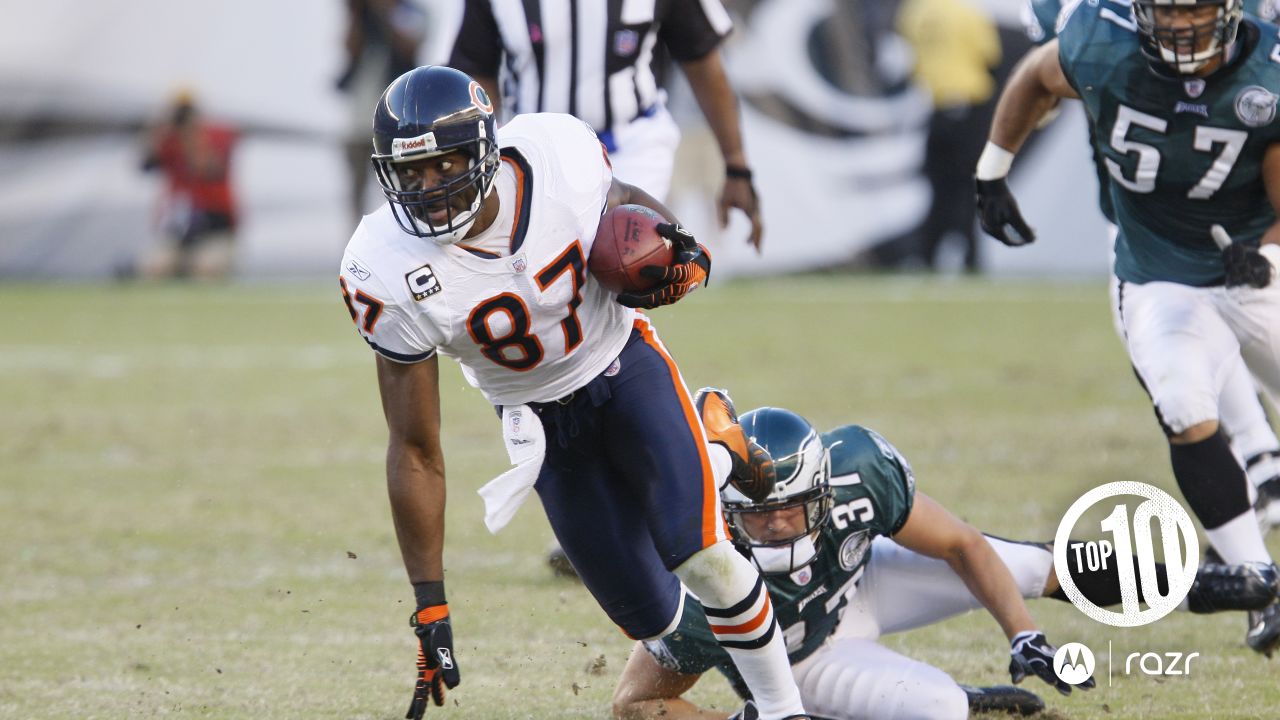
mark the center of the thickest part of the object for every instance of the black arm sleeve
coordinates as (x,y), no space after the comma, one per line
(478,48)
(686,31)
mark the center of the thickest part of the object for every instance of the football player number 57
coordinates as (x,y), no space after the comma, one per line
(1148,157)
(514,346)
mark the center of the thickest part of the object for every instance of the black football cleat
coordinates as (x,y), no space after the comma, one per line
(749,712)
(1267,506)
(559,563)
(1264,629)
(1249,586)
(1005,699)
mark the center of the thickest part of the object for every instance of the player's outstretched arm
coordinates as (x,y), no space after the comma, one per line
(415,463)
(931,530)
(710,84)
(648,691)
(415,484)
(621,193)
(1033,89)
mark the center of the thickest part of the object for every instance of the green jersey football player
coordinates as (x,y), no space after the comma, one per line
(1178,96)
(1242,414)
(850,550)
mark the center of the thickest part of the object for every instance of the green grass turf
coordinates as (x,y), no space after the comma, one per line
(186,474)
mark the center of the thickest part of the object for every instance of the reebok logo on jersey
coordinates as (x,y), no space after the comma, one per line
(423,283)
(354,268)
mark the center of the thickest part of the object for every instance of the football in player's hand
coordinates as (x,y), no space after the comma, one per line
(625,242)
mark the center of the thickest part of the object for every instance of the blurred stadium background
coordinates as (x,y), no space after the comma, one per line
(80,81)
(191,496)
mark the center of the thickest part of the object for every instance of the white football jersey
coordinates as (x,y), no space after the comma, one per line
(529,327)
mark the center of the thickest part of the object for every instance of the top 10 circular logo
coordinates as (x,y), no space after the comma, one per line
(1128,541)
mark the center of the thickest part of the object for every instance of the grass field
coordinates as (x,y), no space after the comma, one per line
(194,522)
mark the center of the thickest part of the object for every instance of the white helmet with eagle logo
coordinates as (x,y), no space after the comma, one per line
(803,488)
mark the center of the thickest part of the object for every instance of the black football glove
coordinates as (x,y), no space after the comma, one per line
(1033,655)
(1246,266)
(999,213)
(437,668)
(689,268)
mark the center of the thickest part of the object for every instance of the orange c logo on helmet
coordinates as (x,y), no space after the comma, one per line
(480,98)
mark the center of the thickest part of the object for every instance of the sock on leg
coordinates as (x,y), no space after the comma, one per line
(1217,490)
(741,618)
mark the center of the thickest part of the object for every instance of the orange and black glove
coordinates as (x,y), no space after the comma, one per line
(437,668)
(690,268)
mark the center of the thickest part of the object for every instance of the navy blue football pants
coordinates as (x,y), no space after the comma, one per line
(627,484)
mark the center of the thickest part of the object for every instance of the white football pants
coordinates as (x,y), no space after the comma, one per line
(853,677)
(1239,411)
(1186,343)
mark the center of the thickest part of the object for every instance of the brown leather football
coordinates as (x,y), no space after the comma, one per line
(626,241)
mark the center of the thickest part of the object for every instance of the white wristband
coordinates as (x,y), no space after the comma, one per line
(994,163)
(1271,252)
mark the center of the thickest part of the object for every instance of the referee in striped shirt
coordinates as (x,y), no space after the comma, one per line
(594,59)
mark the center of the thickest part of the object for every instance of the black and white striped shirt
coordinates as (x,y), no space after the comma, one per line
(589,58)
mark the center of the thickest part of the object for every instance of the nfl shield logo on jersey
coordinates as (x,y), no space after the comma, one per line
(1193,87)
(625,42)
(423,283)
(1255,106)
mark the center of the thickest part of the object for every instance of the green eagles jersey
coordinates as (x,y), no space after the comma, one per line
(1040,18)
(1182,153)
(872,492)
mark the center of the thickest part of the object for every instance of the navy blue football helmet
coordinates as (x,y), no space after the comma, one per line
(429,111)
(803,468)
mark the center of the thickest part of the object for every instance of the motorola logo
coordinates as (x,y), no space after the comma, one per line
(1073,663)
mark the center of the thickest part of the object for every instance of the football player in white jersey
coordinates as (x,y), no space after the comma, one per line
(481,254)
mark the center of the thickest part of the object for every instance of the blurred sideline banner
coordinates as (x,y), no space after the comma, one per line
(834,129)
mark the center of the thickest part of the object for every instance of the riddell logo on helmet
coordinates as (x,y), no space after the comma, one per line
(400,147)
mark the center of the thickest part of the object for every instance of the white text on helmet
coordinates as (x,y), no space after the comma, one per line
(403,147)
